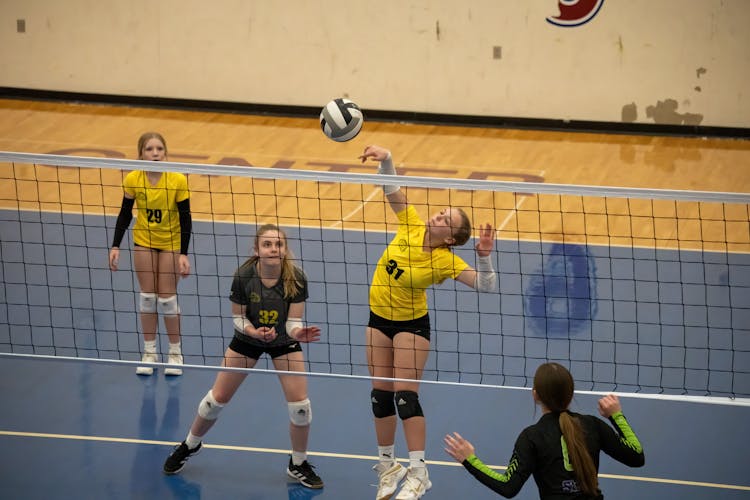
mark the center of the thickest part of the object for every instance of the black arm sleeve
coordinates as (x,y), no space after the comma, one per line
(123,220)
(186,224)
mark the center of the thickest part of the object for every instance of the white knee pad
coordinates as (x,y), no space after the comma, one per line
(168,306)
(300,412)
(209,408)
(147,303)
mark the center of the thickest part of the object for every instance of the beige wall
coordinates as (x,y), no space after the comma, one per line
(418,55)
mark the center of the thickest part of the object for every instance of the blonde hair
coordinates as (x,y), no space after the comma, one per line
(463,231)
(291,275)
(144,138)
(554,387)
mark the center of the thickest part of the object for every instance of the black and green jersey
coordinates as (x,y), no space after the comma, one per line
(540,451)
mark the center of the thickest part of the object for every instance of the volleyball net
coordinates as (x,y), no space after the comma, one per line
(634,290)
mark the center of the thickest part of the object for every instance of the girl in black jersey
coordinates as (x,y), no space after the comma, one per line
(562,449)
(268,301)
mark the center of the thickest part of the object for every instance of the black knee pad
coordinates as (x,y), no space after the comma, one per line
(408,405)
(382,403)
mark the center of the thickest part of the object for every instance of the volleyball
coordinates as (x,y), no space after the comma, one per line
(341,120)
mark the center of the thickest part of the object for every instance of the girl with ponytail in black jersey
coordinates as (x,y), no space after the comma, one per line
(562,449)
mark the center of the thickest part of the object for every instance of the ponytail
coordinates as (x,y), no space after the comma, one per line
(554,387)
(580,459)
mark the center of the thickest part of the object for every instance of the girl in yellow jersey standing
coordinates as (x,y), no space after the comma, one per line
(398,331)
(161,237)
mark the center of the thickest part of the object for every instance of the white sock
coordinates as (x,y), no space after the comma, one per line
(387,454)
(175,348)
(416,460)
(149,346)
(298,457)
(192,441)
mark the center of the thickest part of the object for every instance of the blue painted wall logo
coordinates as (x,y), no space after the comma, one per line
(575,12)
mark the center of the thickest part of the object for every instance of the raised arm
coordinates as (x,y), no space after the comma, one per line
(396,197)
(484,277)
(625,446)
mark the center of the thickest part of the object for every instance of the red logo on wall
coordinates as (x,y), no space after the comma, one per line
(575,12)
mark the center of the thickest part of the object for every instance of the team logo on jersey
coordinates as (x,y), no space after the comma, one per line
(570,486)
(575,12)
(403,245)
(254,297)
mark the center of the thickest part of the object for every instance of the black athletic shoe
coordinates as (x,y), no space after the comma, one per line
(305,474)
(176,461)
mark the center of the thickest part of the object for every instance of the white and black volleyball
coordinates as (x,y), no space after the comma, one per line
(341,120)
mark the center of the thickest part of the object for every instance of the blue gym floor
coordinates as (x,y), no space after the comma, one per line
(88,429)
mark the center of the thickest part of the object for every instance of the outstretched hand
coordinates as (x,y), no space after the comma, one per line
(458,447)
(609,405)
(376,153)
(486,240)
(307,334)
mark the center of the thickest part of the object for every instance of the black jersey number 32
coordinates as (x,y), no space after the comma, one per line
(393,266)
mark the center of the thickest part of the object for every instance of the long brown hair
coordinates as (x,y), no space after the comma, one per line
(144,138)
(554,387)
(291,275)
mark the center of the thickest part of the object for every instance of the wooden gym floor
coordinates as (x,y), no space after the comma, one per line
(661,162)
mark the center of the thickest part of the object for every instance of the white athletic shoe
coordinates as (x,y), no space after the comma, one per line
(389,475)
(174,359)
(415,485)
(148,357)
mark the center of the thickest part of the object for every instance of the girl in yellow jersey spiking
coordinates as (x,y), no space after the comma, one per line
(398,332)
(161,237)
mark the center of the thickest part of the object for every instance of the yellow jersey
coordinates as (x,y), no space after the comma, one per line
(157,224)
(404,272)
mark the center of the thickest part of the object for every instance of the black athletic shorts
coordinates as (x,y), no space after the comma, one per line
(419,326)
(256,351)
(158,250)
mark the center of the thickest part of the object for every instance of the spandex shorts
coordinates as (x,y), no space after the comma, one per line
(419,326)
(256,351)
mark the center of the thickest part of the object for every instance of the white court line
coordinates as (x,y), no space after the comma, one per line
(359,207)
(343,455)
(516,207)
